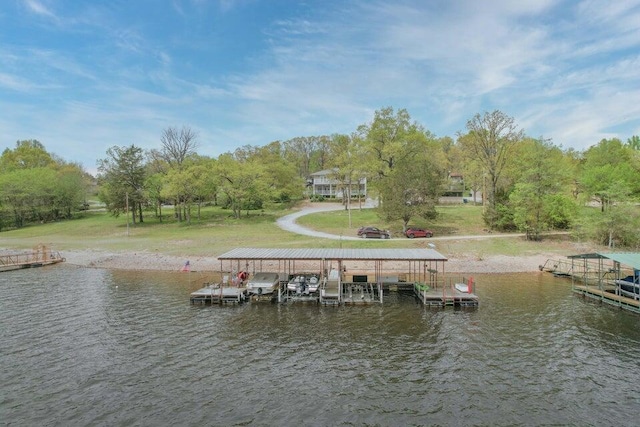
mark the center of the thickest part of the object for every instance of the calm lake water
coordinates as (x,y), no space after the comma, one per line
(96,347)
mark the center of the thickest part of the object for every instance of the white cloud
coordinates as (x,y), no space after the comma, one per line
(40,9)
(566,71)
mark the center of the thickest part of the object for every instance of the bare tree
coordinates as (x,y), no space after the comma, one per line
(177,145)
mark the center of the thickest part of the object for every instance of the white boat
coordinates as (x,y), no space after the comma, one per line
(263,283)
(462,287)
(629,286)
(304,283)
(465,288)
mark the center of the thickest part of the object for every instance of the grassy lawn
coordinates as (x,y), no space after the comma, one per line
(458,219)
(217,232)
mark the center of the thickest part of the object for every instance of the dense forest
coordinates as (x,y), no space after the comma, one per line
(528,184)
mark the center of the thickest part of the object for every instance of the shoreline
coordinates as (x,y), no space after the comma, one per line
(145,261)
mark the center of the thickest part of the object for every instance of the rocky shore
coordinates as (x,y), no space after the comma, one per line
(161,262)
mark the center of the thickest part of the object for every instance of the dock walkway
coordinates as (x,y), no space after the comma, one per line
(38,257)
(598,276)
(219,294)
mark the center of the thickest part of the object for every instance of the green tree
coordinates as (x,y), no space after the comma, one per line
(412,189)
(17,194)
(38,186)
(279,176)
(346,153)
(242,184)
(28,154)
(389,138)
(610,176)
(608,173)
(154,185)
(70,190)
(192,184)
(541,199)
(122,177)
(405,164)
(491,140)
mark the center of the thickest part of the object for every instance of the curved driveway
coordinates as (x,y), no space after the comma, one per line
(288,223)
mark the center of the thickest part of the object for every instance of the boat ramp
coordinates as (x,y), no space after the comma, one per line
(335,277)
(610,278)
(38,257)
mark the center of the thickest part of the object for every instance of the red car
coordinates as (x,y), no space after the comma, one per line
(373,232)
(418,232)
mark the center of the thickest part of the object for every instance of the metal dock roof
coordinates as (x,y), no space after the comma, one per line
(626,258)
(333,254)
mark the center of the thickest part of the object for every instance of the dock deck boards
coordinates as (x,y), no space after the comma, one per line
(446,296)
(218,294)
(604,295)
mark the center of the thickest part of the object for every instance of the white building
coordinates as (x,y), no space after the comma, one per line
(324,183)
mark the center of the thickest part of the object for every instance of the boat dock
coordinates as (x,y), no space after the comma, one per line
(453,294)
(345,277)
(610,278)
(217,294)
(38,257)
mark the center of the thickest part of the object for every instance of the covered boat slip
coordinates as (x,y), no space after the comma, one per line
(352,276)
(613,278)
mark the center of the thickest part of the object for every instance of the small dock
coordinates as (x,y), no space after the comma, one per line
(38,257)
(448,295)
(601,277)
(219,294)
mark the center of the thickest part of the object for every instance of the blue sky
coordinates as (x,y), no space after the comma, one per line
(81,76)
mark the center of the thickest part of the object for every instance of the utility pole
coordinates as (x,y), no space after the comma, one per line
(127,211)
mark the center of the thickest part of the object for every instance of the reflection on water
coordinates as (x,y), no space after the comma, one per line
(97,347)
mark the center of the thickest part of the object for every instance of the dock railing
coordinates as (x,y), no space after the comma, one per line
(40,255)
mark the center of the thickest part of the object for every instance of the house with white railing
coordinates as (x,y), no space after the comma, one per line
(325,183)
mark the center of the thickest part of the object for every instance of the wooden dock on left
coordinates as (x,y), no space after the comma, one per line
(36,258)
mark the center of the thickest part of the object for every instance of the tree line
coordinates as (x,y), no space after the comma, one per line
(36,186)
(527,184)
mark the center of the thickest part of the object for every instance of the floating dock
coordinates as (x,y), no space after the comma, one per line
(38,257)
(601,277)
(219,294)
(454,295)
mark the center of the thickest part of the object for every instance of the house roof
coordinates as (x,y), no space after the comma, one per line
(323,172)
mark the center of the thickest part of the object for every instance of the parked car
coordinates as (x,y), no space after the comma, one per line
(373,232)
(418,232)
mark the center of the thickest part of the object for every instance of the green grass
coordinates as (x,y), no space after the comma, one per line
(218,232)
(461,220)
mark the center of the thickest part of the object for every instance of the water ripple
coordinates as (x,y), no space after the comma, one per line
(93,347)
